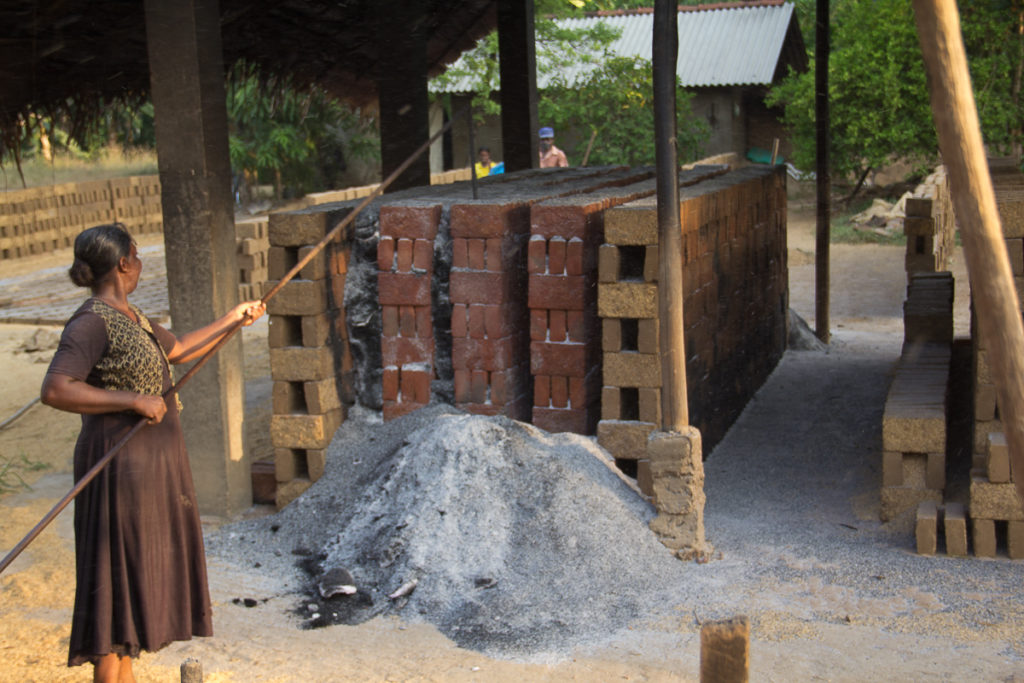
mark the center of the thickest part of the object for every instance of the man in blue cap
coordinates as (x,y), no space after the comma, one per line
(550,156)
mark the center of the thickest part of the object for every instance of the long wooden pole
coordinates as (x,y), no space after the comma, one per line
(675,413)
(974,202)
(109,455)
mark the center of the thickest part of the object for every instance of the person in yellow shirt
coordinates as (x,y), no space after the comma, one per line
(484,164)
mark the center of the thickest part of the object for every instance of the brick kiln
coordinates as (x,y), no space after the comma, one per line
(536,301)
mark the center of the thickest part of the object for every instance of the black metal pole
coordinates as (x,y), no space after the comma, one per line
(821,113)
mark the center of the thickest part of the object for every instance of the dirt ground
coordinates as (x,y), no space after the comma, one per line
(36,592)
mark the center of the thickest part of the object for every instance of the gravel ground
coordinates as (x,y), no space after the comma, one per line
(562,543)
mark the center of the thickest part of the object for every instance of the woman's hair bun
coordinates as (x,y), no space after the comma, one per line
(97,251)
(81,274)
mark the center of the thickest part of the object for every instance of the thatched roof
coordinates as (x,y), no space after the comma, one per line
(89,52)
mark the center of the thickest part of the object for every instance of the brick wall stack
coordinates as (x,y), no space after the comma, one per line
(488,289)
(994,507)
(994,502)
(136,203)
(735,305)
(914,417)
(252,245)
(914,430)
(930,226)
(310,361)
(1008,183)
(405,258)
(565,331)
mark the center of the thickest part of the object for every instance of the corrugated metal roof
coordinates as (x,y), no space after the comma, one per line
(738,45)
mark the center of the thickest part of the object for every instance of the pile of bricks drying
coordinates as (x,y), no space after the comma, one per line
(41,219)
(914,430)
(252,245)
(994,514)
(930,226)
(735,286)
(310,362)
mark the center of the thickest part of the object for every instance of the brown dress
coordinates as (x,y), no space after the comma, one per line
(140,568)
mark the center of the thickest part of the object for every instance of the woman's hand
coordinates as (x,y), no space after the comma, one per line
(249,311)
(152,407)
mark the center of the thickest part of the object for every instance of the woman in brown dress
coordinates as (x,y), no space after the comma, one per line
(140,569)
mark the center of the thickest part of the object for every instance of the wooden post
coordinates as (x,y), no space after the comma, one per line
(402,90)
(725,651)
(974,202)
(191,671)
(517,66)
(665,49)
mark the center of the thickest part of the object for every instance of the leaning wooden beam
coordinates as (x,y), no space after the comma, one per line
(974,202)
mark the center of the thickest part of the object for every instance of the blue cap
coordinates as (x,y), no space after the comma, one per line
(546,132)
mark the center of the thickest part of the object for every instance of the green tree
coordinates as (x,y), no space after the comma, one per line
(295,138)
(993,33)
(879,104)
(612,102)
(878,100)
(614,107)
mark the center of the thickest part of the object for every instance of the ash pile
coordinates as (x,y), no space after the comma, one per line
(510,540)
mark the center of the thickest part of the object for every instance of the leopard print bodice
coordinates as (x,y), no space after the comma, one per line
(132,361)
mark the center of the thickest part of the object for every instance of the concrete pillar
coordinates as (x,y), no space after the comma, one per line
(187,80)
(402,88)
(518,69)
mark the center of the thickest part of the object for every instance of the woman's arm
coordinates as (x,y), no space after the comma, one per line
(196,343)
(73,395)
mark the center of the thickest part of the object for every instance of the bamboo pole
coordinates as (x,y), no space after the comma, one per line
(988,265)
(109,455)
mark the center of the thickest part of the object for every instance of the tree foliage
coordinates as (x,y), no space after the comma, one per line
(296,138)
(614,107)
(613,101)
(878,98)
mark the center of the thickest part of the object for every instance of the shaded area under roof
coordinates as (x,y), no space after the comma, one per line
(91,52)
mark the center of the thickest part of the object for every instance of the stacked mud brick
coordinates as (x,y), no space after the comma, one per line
(489,289)
(928,308)
(914,419)
(252,245)
(136,203)
(566,235)
(40,219)
(405,258)
(735,304)
(1008,182)
(930,226)
(310,361)
(914,430)
(994,509)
